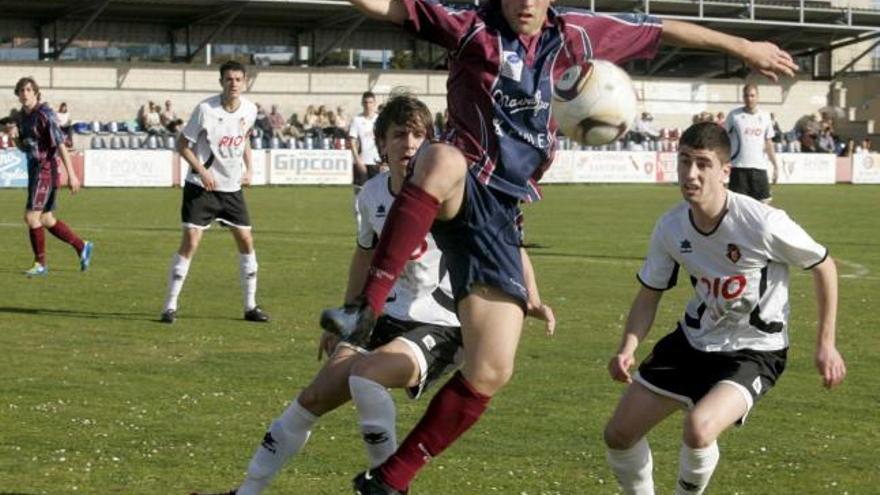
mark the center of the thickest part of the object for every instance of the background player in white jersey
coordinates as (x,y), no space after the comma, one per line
(217,147)
(361,140)
(730,347)
(751,138)
(417,340)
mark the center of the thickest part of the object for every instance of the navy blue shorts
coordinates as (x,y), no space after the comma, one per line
(482,243)
(42,187)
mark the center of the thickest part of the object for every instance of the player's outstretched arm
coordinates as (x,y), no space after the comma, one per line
(536,308)
(638,323)
(764,57)
(828,359)
(385,10)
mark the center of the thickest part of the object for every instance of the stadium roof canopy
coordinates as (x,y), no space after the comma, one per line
(806,28)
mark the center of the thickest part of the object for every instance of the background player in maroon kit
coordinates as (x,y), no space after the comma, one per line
(503,59)
(42,142)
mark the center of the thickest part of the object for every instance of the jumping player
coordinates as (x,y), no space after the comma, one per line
(730,347)
(416,341)
(216,146)
(751,138)
(42,142)
(503,59)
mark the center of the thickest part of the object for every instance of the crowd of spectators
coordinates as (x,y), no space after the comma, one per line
(321,126)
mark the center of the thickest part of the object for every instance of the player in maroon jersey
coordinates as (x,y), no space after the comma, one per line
(42,142)
(503,59)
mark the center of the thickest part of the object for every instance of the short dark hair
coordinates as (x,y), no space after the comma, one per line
(749,86)
(233,66)
(707,136)
(24,81)
(5,121)
(406,110)
(368,94)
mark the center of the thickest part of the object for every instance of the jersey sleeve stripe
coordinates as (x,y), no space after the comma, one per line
(814,265)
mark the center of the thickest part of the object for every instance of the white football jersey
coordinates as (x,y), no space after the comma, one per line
(748,133)
(218,139)
(362,128)
(739,272)
(423,293)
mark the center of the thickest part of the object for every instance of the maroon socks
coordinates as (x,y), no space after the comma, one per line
(405,228)
(455,408)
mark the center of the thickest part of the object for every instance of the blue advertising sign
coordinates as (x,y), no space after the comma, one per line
(13,168)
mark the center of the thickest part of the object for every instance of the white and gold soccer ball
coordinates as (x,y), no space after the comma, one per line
(594,102)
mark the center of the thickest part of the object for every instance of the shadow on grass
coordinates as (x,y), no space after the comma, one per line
(76,314)
(69,313)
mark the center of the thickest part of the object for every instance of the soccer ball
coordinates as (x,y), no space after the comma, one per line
(594,102)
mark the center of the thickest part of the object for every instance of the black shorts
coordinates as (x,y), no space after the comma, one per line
(42,188)
(482,243)
(677,370)
(751,182)
(201,207)
(437,348)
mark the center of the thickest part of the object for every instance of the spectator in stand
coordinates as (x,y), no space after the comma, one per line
(8,133)
(826,143)
(262,123)
(719,118)
(276,122)
(170,120)
(440,123)
(294,127)
(63,117)
(310,119)
(848,149)
(777,132)
(341,118)
(644,129)
(323,117)
(866,145)
(152,122)
(361,141)
(333,129)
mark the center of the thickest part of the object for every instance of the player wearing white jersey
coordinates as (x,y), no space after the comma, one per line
(416,342)
(730,347)
(751,138)
(216,146)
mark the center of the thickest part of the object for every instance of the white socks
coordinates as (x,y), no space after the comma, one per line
(176,277)
(286,437)
(376,411)
(695,468)
(247,274)
(633,467)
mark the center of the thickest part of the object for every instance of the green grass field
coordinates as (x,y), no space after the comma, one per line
(97,397)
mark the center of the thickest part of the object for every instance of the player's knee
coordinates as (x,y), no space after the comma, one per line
(312,400)
(365,368)
(617,438)
(440,166)
(490,379)
(698,431)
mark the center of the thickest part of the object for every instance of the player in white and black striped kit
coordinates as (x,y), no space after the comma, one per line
(216,145)
(417,340)
(730,347)
(751,139)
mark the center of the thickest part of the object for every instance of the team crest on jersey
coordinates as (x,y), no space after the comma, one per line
(511,65)
(685,246)
(733,253)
